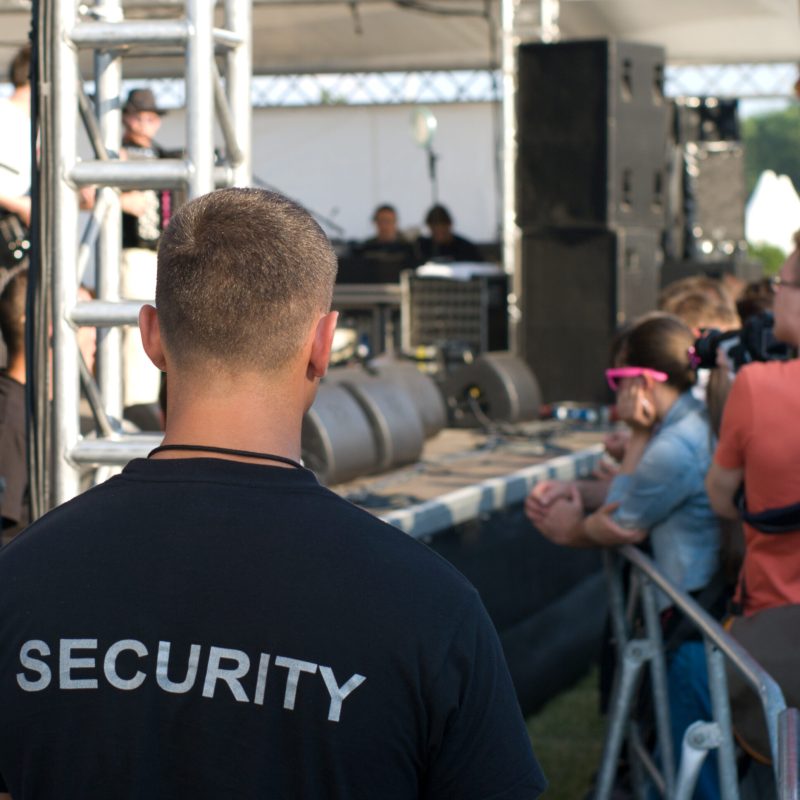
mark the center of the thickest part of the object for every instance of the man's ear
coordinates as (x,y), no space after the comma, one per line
(150,331)
(321,346)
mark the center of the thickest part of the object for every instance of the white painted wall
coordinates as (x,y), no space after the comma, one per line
(342,161)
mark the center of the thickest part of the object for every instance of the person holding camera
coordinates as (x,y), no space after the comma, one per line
(760,444)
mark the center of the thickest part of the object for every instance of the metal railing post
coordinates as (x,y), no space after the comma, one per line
(199,96)
(238,18)
(108,78)
(62,258)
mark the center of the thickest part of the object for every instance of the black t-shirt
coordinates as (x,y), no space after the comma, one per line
(145,230)
(14,502)
(458,249)
(207,628)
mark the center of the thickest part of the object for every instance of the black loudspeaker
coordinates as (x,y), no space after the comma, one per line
(496,387)
(578,287)
(705,119)
(592,134)
(714,190)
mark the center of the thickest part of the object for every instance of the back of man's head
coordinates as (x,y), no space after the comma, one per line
(12,312)
(19,72)
(242,276)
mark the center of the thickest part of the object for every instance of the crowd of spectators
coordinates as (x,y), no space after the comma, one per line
(668,485)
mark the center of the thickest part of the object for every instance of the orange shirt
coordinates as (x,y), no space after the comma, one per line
(761,432)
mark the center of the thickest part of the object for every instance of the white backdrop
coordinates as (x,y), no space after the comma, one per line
(342,161)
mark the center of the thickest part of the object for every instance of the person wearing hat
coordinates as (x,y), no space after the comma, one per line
(144,216)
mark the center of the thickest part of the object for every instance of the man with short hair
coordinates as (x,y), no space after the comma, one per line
(759,443)
(213,622)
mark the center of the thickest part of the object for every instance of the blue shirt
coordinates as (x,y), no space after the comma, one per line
(666,496)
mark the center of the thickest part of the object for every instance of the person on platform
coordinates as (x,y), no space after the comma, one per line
(15,164)
(144,216)
(443,244)
(15,139)
(386,231)
(14,499)
(388,253)
(213,622)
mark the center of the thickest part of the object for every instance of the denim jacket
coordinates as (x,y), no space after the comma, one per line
(666,496)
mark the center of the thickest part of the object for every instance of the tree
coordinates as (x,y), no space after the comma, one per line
(772,141)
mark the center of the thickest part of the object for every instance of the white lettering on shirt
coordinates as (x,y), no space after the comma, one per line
(231,667)
(338,693)
(261,681)
(34,664)
(215,672)
(66,663)
(295,667)
(162,669)
(110,665)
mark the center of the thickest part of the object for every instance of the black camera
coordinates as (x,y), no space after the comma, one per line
(754,341)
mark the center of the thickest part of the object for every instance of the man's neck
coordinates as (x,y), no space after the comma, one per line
(16,369)
(257,418)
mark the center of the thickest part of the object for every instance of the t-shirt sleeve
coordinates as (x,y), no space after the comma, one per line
(479,746)
(3,787)
(736,418)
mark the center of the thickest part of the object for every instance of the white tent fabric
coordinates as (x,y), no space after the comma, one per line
(365,35)
(773,212)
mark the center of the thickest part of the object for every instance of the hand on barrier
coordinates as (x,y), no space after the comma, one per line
(602,529)
(560,519)
(545,493)
(605,470)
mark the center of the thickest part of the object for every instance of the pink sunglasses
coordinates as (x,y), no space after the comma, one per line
(616,374)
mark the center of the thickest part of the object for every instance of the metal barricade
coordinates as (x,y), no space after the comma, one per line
(645,648)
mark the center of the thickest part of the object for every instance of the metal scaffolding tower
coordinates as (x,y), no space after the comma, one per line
(217,71)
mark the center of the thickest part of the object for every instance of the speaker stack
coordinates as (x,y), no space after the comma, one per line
(592,196)
(706,210)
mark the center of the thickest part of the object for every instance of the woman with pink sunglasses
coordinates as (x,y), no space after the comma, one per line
(658,494)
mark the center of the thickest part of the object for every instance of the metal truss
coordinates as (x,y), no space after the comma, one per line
(745,81)
(218,84)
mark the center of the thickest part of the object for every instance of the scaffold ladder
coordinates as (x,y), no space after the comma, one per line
(217,72)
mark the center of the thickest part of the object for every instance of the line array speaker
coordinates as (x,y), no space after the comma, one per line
(592,134)
(578,287)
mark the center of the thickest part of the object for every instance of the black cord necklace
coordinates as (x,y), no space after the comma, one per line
(205,448)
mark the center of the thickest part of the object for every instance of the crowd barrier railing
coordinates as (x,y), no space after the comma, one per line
(643,647)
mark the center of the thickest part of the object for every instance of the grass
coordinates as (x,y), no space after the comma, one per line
(567,735)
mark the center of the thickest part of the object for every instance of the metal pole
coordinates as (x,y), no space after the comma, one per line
(200,96)
(658,672)
(511,233)
(108,76)
(63,256)
(720,704)
(238,19)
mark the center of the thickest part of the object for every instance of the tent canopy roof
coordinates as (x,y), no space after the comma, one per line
(382,35)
